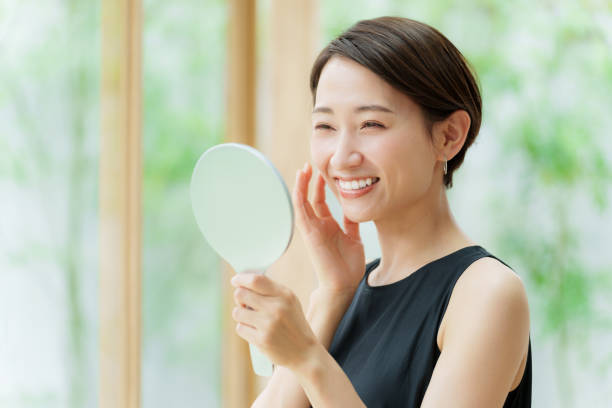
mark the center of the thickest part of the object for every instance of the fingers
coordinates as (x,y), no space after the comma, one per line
(352,229)
(319,204)
(304,212)
(246,332)
(301,182)
(260,284)
(247,298)
(245,316)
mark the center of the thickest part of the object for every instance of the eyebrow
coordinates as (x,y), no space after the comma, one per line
(365,108)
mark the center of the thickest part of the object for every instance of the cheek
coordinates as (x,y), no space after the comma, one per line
(408,159)
(320,151)
(389,152)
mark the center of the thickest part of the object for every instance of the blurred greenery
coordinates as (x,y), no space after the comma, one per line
(184,53)
(47,152)
(545,70)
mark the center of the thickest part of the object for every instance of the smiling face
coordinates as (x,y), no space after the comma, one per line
(364,128)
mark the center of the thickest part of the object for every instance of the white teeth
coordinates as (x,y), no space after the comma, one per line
(356,184)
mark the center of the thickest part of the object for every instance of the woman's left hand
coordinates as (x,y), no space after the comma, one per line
(270,317)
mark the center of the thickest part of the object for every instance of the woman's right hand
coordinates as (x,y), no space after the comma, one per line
(338,257)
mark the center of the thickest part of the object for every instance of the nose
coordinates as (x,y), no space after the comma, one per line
(345,156)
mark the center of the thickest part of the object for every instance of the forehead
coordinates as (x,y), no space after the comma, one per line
(346,82)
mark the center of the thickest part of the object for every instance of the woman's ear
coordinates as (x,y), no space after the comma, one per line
(449,135)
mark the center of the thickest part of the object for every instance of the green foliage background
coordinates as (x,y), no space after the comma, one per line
(184,61)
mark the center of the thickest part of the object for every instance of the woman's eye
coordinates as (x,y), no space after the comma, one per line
(322,126)
(372,124)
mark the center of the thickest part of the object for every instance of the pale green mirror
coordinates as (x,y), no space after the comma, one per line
(243,208)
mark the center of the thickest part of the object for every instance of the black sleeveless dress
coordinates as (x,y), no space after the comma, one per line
(386,341)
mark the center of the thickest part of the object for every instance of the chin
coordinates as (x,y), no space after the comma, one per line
(358,217)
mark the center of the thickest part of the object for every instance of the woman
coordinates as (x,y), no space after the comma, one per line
(436,321)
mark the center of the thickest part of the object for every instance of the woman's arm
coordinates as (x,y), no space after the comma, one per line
(324,314)
(484,341)
(323,380)
(339,259)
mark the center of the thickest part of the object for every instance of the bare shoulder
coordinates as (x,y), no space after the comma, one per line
(484,344)
(488,275)
(491,290)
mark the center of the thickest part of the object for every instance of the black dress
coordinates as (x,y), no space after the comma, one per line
(386,341)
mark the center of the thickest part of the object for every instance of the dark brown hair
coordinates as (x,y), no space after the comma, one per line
(417,60)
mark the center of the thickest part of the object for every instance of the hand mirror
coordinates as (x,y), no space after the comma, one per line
(243,208)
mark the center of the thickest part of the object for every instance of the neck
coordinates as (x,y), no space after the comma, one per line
(416,235)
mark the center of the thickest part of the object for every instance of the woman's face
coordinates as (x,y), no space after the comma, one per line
(363,128)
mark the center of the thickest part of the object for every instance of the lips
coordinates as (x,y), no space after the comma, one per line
(356,193)
(356,184)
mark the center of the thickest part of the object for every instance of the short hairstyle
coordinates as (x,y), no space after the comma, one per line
(417,60)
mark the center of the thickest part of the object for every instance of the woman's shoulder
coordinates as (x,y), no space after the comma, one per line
(490,274)
(490,283)
(490,291)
